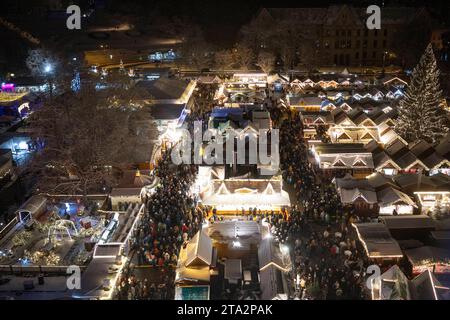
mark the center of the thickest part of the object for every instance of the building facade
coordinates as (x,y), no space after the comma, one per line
(340,34)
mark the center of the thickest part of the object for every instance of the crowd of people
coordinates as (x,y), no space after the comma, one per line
(327,264)
(132,288)
(315,192)
(326,261)
(171,218)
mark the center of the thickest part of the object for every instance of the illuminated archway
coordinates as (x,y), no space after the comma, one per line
(62,229)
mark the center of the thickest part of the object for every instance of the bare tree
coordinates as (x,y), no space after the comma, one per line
(224,59)
(266,61)
(41,62)
(193,48)
(309,54)
(243,56)
(57,71)
(84,141)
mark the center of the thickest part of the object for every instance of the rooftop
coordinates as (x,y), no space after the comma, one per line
(164,88)
(377,240)
(409,222)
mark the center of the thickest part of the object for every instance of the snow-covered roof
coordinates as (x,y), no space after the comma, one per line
(209,79)
(353,134)
(200,250)
(426,287)
(270,283)
(269,253)
(343,155)
(305,101)
(391,196)
(377,240)
(351,195)
(428,254)
(394,285)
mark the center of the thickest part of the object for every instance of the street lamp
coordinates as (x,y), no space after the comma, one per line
(48,68)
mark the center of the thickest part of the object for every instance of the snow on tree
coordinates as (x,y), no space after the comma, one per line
(41,62)
(266,61)
(89,136)
(421,115)
(76,82)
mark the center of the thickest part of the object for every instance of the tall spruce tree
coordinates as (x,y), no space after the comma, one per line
(421,115)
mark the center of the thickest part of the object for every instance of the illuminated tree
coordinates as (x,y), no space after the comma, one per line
(421,115)
(76,82)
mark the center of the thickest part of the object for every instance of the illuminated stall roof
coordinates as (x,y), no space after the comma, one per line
(302,101)
(9,97)
(377,240)
(376,188)
(317,118)
(271,283)
(394,285)
(35,205)
(227,231)
(390,80)
(125,192)
(353,134)
(426,287)
(243,193)
(428,255)
(199,250)
(343,156)
(392,196)
(350,196)
(427,154)
(269,254)
(209,79)
(379,181)
(277,78)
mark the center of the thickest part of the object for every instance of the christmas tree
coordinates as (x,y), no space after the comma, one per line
(76,83)
(421,115)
